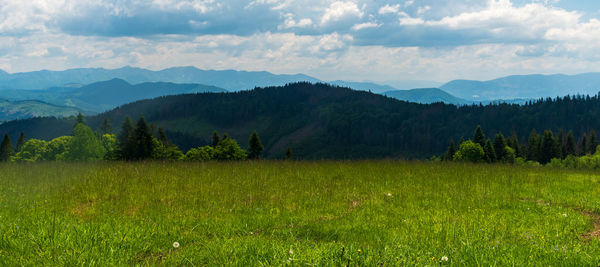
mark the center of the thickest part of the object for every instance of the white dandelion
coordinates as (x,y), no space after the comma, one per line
(175,244)
(564,215)
(291,251)
(444,258)
(389,194)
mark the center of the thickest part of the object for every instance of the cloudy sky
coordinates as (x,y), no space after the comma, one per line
(376,40)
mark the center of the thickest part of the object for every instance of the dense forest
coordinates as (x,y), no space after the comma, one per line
(323,121)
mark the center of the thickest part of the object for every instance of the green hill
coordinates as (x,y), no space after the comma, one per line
(322,121)
(15,110)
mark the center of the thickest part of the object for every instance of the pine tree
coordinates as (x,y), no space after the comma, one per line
(142,140)
(500,147)
(255,146)
(592,143)
(105,128)
(479,137)
(533,146)
(450,151)
(288,153)
(215,139)
(570,144)
(80,119)
(6,149)
(125,139)
(489,152)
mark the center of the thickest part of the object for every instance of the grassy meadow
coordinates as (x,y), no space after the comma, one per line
(326,213)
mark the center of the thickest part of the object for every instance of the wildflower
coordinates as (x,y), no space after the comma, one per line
(175,244)
(358,250)
(444,258)
(564,215)
(291,251)
(389,194)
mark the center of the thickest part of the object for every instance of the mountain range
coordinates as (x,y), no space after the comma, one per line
(16,110)
(323,121)
(106,95)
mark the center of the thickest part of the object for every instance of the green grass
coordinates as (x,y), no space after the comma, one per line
(296,213)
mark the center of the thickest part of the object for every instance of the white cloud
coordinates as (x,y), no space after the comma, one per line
(339,10)
(365,25)
(387,9)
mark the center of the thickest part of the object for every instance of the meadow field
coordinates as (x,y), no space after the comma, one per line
(324,213)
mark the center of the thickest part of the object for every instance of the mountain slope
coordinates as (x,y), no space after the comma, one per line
(525,86)
(426,96)
(102,96)
(15,110)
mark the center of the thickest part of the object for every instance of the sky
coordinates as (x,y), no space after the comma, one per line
(375,40)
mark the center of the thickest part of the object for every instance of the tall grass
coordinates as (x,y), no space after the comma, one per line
(296,213)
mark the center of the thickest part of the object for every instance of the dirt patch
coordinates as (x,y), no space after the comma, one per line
(595,232)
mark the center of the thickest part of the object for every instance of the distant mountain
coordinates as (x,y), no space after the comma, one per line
(410,84)
(322,121)
(426,96)
(525,86)
(227,79)
(16,110)
(102,96)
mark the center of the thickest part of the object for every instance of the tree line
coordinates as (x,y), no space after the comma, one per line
(134,142)
(540,148)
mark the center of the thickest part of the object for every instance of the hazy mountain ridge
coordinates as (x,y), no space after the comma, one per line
(525,86)
(105,95)
(15,110)
(426,96)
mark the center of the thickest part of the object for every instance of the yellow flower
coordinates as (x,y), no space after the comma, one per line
(358,250)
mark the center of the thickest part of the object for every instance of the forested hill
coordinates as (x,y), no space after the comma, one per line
(322,121)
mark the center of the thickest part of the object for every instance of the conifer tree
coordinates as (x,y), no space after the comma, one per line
(6,148)
(105,128)
(125,139)
(592,143)
(162,137)
(549,148)
(255,146)
(500,147)
(583,145)
(489,152)
(288,153)
(21,142)
(479,137)
(450,151)
(570,144)
(142,140)
(80,119)
(215,139)
(533,146)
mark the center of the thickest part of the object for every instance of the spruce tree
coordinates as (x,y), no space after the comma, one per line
(583,145)
(570,144)
(21,142)
(105,128)
(142,140)
(162,137)
(549,148)
(288,153)
(592,143)
(125,139)
(479,137)
(6,149)
(500,147)
(533,146)
(489,152)
(255,146)
(450,151)
(215,139)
